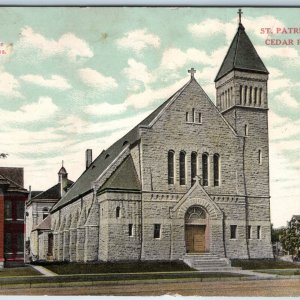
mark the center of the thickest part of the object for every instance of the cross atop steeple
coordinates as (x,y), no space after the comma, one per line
(240,15)
(192,71)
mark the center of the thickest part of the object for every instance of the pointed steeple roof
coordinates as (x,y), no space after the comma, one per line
(62,170)
(241,55)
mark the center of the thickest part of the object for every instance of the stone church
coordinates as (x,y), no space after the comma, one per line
(193,177)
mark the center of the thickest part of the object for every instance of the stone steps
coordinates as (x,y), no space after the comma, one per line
(208,262)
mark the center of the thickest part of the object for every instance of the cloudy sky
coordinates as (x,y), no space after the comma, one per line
(78,78)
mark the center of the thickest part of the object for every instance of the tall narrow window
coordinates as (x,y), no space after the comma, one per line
(260,97)
(246,96)
(20,242)
(7,242)
(156,233)
(241,94)
(248,232)
(8,209)
(216,170)
(246,130)
(130,229)
(233,231)
(258,232)
(250,95)
(255,96)
(193,115)
(259,157)
(193,167)
(182,168)
(171,167)
(118,212)
(186,116)
(205,169)
(50,244)
(200,118)
(20,210)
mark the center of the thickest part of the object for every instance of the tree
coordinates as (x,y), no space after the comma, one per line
(290,237)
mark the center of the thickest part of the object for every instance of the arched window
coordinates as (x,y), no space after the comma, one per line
(216,170)
(259,157)
(182,168)
(171,167)
(186,116)
(205,169)
(193,167)
(118,210)
(246,130)
(193,115)
(45,212)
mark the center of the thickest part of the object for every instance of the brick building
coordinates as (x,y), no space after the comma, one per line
(192,177)
(12,219)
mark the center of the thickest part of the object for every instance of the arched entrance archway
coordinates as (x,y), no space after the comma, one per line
(196,230)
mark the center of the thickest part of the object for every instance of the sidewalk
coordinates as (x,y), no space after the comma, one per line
(44,271)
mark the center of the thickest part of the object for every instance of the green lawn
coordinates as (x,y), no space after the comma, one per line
(286,272)
(117,267)
(257,264)
(22,271)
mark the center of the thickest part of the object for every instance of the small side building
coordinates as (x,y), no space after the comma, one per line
(37,213)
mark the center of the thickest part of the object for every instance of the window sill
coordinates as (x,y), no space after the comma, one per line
(196,123)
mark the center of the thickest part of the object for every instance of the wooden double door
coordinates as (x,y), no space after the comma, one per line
(195,238)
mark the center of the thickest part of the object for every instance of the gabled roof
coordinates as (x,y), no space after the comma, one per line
(124,178)
(241,55)
(83,185)
(44,225)
(52,193)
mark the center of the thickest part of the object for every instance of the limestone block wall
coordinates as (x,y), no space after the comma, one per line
(43,245)
(115,243)
(172,132)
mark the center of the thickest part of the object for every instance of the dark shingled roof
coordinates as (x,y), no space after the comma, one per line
(10,185)
(241,55)
(14,174)
(83,183)
(124,178)
(52,193)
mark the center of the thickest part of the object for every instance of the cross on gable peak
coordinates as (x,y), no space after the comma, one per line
(192,71)
(240,15)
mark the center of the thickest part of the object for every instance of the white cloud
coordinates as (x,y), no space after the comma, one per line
(149,96)
(97,80)
(55,81)
(174,58)
(268,52)
(281,83)
(286,99)
(213,26)
(42,109)
(138,71)
(275,73)
(68,44)
(9,85)
(138,40)
(105,109)
(282,128)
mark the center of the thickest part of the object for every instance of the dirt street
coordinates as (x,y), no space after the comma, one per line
(282,287)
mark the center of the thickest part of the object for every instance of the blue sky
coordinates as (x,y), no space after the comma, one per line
(78,78)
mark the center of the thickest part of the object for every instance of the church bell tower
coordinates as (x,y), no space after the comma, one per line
(242,98)
(241,83)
